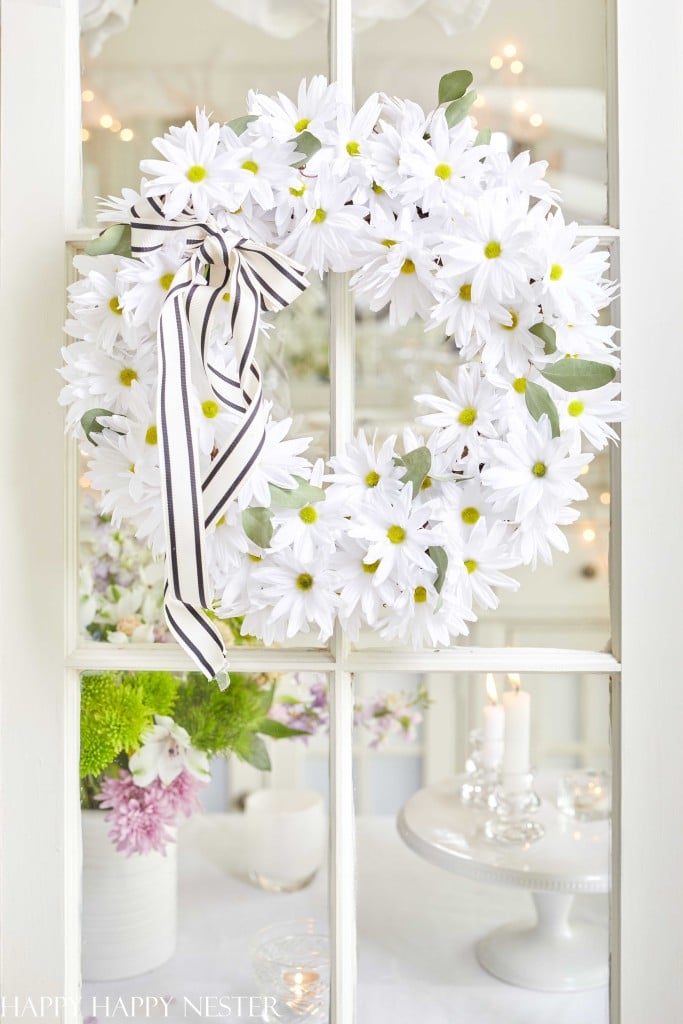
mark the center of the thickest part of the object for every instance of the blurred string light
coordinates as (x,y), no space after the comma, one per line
(605,498)
(515,67)
(106,121)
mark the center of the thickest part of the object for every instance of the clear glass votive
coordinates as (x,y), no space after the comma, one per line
(286,834)
(292,963)
(515,801)
(585,795)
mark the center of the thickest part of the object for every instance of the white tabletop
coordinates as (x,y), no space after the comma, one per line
(417,929)
(571,857)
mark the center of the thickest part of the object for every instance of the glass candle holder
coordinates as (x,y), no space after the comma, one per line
(585,795)
(286,834)
(292,963)
(480,780)
(515,802)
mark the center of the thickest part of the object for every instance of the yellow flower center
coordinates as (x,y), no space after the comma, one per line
(252,558)
(408,267)
(319,216)
(515,321)
(470,515)
(304,581)
(470,565)
(131,468)
(166,280)
(519,385)
(426,483)
(388,242)
(297,191)
(556,272)
(127,376)
(220,522)
(308,514)
(226,296)
(467,416)
(492,250)
(250,165)
(115,306)
(372,478)
(377,189)
(370,567)
(396,534)
(151,437)
(353,148)
(465,292)
(576,407)
(302,124)
(443,171)
(420,595)
(539,469)
(196,173)
(210,409)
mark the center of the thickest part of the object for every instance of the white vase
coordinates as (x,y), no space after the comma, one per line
(129,908)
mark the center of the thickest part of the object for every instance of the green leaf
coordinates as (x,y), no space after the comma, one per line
(454,85)
(459,109)
(547,335)
(114,239)
(304,494)
(538,402)
(239,124)
(483,137)
(89,422)
(579,374)
(252,749)
(307,145)
(258,525)
(278,730)
(440,560)
(417,464)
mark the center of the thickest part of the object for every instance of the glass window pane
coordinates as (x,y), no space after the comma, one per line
(433,889)
(237,905)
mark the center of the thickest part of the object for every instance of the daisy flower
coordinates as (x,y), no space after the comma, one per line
(465,413)
(361,471)
(114,382)
(587,340)
(573,275)
(325,236)
(532,469)
(494,243)
(462,319)
(196,169)
(314,110)
(397,537)
(590,413)
(295,595)
(509,341)
(485,553)
(145,283)
(279,462)
(263,166)
(346,144)
(309,529)
(96,305)
(519,176)
(361,600)
(421,617)
(439,171)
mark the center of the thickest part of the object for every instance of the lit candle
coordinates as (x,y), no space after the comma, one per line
(517,705)
(494,727)
(301,982)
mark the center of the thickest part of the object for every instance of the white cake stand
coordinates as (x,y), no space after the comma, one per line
(553,954)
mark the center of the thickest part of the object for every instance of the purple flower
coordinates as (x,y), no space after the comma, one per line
(139,816)
(182,795)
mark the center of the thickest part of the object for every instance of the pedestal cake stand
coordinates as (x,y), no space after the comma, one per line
(553,954)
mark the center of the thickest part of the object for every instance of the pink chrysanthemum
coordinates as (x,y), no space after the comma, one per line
(182,795)
(138,816)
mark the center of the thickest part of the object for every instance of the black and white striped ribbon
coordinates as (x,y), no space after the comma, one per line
(256,278)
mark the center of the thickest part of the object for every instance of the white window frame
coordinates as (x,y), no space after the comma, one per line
(42,657)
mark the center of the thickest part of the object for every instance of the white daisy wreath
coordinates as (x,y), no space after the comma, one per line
(436,223)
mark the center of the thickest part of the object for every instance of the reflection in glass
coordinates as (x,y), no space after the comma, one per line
(433,890)
(179,923)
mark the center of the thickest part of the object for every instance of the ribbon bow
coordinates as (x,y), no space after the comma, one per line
(256,278)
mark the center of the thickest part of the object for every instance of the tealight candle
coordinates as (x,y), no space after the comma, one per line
(585,795)
(300,982)
(494,727)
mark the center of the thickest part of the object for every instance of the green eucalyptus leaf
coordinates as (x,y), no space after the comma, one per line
(440,560)
(538,402)
(90,422)
(307,145)
(114,239)
(304,494)
(579,374)
(417,464)
(258,525)
(251,748)
(547,335)
(239,124)
(454,85)
(277,730)
(483,137)
(459,109)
